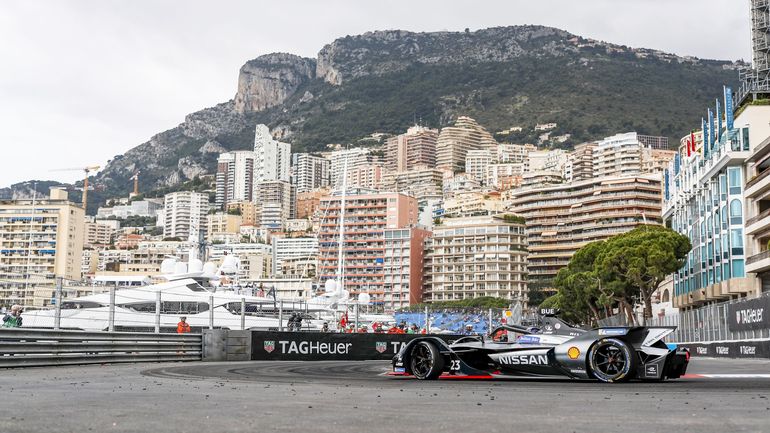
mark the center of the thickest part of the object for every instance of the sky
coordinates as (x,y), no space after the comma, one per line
(84,80)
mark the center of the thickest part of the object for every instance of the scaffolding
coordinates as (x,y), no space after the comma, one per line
(755,81)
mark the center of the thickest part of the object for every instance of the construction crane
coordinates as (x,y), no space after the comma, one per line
(87,170)
(135,178)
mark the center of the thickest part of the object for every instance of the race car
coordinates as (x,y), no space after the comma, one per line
(610,354)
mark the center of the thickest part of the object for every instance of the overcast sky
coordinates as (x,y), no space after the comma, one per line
(83,81)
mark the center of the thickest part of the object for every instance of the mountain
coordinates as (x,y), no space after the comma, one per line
(382,81)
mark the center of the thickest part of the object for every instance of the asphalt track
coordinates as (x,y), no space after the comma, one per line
(716,396)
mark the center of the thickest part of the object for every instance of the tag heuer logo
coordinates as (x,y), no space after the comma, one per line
(382,346)
(269,346)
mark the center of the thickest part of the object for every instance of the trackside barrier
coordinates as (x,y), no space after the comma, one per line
(21,347)
(730,349)
(227,345)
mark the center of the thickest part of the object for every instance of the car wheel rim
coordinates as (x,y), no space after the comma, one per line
(422,361)
(610,360)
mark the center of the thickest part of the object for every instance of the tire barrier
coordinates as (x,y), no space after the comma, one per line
(730,349)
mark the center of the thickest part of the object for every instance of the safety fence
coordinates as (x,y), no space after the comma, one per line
(735,320)
(21,347)
(468,321)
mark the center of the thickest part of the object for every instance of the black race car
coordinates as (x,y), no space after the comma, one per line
(614,354)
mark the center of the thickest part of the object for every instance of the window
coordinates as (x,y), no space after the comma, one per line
(734,177)
(724,217)
(723,187)
(745,138)
(738,270)
(736,242)
(736,213)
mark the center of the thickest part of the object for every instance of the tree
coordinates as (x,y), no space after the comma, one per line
(580,293)
(638,261)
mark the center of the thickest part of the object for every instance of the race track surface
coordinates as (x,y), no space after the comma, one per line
(717,396)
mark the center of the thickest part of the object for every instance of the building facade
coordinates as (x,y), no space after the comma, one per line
(474,257)
(309,172)
(416,148)
(292,248)
(185,214)
(367,216)
(40,240)
(403,265)
(562,218)
(235,177)
(273,158)
(455,141)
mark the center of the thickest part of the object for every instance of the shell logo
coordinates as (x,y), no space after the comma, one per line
(573,352)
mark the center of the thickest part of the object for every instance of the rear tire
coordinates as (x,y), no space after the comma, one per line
(426,361)
(612,360)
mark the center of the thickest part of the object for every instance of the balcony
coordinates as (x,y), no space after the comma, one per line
(758,262)
(758,223)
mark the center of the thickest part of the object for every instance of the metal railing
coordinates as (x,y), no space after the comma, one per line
(21,347)
(704,324)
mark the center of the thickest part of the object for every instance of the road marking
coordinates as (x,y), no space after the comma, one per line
(737,376)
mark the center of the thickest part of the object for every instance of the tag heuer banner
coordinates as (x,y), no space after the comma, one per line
(749,314)
(318,346)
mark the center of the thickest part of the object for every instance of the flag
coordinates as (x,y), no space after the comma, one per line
(719,121)
(344,320)
(728,108)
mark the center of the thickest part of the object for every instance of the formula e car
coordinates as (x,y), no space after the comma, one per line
(613,354)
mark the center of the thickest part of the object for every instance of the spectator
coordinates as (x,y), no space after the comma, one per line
(413,329)
(395,330)
(13,319)
(182,327)
(363,330)
(469,330)
(325,327)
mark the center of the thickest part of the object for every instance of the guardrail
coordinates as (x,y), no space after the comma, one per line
(34,348)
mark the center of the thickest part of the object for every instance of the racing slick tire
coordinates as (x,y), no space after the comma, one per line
(612,360)
(426,361)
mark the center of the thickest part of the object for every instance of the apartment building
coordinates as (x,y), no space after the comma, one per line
(416,148)
(235,177)
(476,164)
(356,157)
(580,163)
(472,203)
(40,239)
(367,216)
(143,208)
(98,234)
(309,172)
(455,141)
(273,158)
(308,203)
(249,212)
(403,265)
(292,248)
(185,214)
(419,182)
(277,201)
(562,218)
(365,176)
(477,256)
(223,227)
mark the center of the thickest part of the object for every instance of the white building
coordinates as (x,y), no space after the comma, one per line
(309,172)
(278,203)
(291,248)
(357,157)
(185,214)
(272,157)
(235,177)
(476,163)
(143,208)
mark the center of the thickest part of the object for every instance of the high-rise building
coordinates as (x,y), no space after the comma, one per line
(504,176)
(235,177)
(476,164)
(562,218)
(277,200)
(40,239)
(272,157)
(653,142)
(404,261)
(755,81)
(454,142)
(580,163)
(356,157)
(415,148)
(419,182)
(185,214)
(309,172)
(365,176)
(478,256)
(367,216)
(515,153)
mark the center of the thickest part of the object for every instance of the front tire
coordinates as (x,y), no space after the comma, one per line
(612,360)
(426,361)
